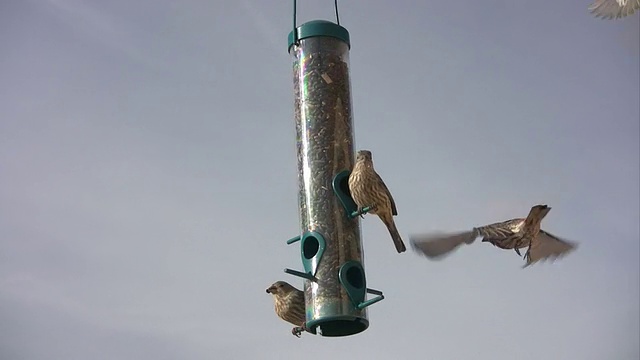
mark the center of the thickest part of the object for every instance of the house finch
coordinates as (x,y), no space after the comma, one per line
(289,305)
(368,190)
(610,9)
(511,234)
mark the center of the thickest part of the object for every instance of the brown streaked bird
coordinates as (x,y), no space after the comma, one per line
(511,234)
(289,305)
(614,9)
(368,190)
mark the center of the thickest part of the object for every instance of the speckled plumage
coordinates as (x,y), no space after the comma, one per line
(289,305)
(368,190)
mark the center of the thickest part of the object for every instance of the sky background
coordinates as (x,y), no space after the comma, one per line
(148,177)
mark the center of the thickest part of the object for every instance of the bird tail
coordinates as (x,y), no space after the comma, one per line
(395,235)
(436,245)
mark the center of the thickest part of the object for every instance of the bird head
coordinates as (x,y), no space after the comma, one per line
(541,209)
(280,288)
(363,155)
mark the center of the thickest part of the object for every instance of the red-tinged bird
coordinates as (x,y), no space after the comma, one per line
(368,190)
(511,234)
(614,9)
(289,305)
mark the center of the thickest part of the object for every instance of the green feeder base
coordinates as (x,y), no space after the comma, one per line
(335,326)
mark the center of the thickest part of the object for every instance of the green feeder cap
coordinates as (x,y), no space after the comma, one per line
(320,28)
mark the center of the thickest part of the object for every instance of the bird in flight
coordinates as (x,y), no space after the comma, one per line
(511,234)
(614,9)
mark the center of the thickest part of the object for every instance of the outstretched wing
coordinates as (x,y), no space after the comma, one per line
(436,245)
(547,247)
(500,231)
(610,9)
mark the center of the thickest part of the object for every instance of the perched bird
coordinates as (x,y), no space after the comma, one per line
(289,305)
(614,9)
(511,234)
(368,190)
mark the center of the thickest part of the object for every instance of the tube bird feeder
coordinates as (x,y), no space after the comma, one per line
(330,244)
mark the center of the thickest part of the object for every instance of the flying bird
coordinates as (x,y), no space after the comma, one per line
(289,305)
(614,9)
(511,234)
(368,190)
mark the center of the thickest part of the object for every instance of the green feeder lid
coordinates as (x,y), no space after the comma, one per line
(320,28)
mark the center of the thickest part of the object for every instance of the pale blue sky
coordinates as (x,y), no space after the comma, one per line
(148,177)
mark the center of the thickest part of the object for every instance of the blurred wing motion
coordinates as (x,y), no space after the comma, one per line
(614,9)
(511,234)
(547,247)
(437,245)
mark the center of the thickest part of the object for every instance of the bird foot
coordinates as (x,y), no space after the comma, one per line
(358,212)
(364,210)
(298,330)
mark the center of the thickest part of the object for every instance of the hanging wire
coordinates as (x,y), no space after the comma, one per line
(295,32)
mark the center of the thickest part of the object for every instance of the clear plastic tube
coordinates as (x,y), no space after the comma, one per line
(325,147)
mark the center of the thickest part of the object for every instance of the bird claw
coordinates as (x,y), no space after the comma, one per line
(527,257)
(362,211)
(298,330)
(518,251)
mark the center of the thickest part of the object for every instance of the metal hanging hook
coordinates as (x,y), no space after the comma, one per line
(295,5)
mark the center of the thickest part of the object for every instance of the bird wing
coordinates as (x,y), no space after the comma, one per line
(501,230)
(436,245)
(610,9)
(548,247)
(295,308)
(394,211)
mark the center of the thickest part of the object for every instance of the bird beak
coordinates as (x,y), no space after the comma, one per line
(270,289)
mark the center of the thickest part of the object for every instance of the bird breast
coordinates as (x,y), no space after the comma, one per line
(283,303)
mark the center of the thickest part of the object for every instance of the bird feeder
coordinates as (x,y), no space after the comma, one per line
(330,244)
